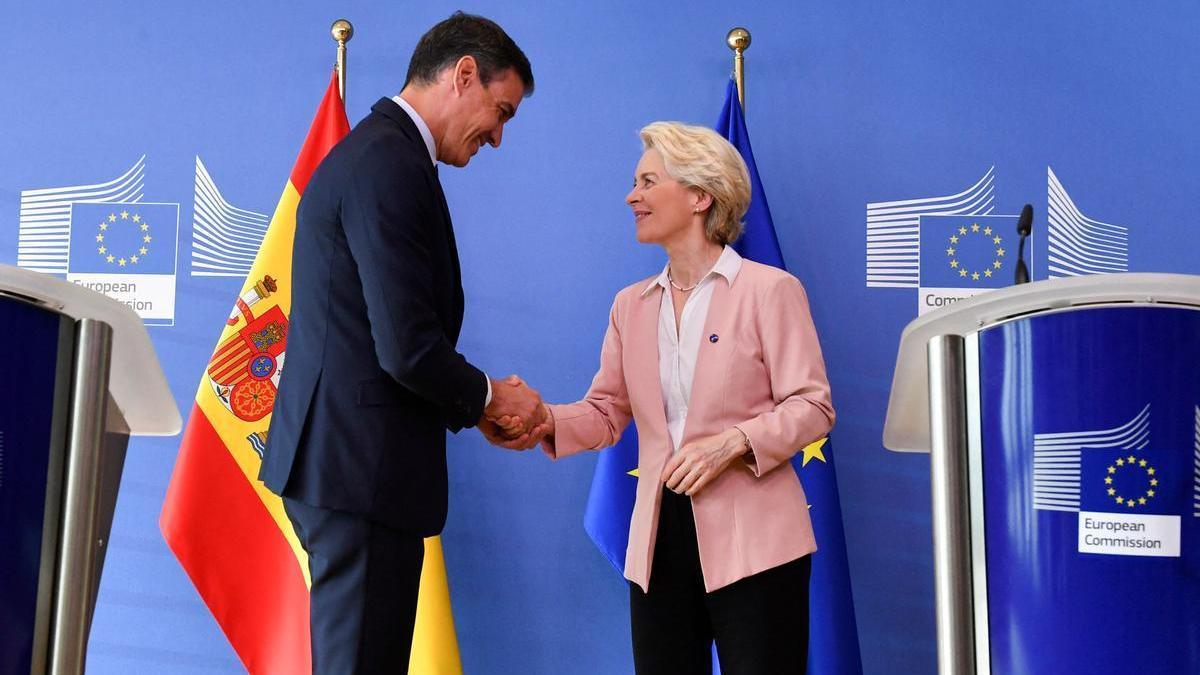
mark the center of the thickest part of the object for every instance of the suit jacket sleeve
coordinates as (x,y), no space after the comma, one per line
(391,218)
(598,420)
(803,412)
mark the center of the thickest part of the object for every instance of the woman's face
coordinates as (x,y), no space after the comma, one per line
(663,208)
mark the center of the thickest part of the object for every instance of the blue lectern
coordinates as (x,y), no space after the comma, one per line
(80,376)
(1063,421)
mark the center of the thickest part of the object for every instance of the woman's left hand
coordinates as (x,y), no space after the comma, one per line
(697,463)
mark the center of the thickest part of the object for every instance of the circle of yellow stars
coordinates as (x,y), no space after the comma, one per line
(1135,463)
(132,259)
(964,232)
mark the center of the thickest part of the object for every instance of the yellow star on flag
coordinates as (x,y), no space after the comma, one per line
(974,227)
(121,262)
(962,273)
(133,259)
(975,276)
(137,218)
(1000,252)
(995,240)
(1132,459)
(954,239)
(124,215)
(962,230)
(146,238)
(987,230)
(103,226)
(110,258)
(813,451)
(99,237)
(112,217)
(145,226)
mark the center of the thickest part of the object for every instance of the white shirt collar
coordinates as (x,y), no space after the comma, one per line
(728,266)
(426,134)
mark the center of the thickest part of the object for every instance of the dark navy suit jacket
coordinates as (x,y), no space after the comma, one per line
(371,379)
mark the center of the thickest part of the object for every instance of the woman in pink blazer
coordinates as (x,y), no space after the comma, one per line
(717,360)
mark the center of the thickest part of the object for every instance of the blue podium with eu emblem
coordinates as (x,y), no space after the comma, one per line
(1063,422)
(80,378)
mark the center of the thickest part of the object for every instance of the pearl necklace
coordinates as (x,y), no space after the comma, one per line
(677,287)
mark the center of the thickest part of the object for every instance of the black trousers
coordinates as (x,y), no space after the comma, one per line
(363,602)
(760,623)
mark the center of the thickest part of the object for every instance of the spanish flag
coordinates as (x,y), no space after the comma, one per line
(229,532)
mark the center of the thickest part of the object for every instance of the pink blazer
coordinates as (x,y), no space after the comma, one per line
(764,374)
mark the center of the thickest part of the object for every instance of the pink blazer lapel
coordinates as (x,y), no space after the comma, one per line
(641,363)
(708,392)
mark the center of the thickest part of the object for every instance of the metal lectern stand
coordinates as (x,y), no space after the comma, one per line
(81,377)
(1063,422)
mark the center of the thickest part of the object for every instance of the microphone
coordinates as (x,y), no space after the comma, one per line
(1024,225)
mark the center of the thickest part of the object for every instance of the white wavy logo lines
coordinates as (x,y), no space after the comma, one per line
(1080,245)
(894,230)
(44,238)
(1056,459)
(225,239)
(1196,470)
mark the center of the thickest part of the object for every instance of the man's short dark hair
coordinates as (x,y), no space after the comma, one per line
(467,35)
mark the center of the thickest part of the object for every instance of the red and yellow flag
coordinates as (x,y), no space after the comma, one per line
(229,532)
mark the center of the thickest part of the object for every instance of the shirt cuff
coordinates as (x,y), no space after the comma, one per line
(488,399)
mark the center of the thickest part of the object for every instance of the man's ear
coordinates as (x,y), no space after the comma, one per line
(466,70)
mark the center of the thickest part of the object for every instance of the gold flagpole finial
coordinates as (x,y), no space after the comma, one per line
(738,40)
(342,31)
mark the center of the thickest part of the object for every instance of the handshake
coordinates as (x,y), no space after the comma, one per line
(516,418)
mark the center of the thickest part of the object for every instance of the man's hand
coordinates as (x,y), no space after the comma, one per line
(516,418)
(696,464)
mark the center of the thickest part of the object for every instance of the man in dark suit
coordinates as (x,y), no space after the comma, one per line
(357,443)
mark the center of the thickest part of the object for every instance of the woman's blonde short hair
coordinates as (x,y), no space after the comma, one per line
(699,157)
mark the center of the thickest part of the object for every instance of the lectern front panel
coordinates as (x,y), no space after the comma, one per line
(1090,441)
(36,347)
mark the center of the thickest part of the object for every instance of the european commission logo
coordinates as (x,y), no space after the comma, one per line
(105,237)
(948,248)
(1128,493)
(956,246)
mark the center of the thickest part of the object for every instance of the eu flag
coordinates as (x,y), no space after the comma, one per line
(833,637)
(115,238)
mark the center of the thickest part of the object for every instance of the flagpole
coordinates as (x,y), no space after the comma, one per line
(342,31)
(738,40)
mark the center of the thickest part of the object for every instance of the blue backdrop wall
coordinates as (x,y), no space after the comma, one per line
(1087,110)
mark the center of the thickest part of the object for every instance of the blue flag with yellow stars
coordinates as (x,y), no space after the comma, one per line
(833,633)
(123,239)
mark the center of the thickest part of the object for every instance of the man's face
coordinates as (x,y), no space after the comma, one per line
(479,115)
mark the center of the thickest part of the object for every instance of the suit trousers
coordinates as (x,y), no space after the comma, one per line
(760,623)
(365,579)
